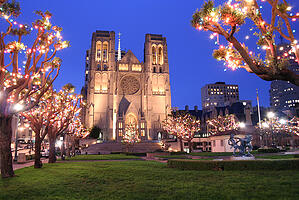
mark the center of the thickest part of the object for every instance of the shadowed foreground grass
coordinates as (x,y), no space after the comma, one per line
(145,180)
(103,157)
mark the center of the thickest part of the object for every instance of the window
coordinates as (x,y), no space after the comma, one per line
(154,69)
(98,67)
(160,69)
(98,51)
(214,143)
(142,133)
(120,132)
(160,55)
(105,68)
(154,52)
(221,143)
(105,52)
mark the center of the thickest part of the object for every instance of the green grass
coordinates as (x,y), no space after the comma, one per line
(288,156)
(103,157)
(145,180)
(211,154)
(173,156)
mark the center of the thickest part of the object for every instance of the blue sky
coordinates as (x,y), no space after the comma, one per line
(190,51)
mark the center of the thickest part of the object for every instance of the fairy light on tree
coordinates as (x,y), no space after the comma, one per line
(131,136)
(183,126)
(24,82)
(69,105)
(227,20)
(274,128)
(223,123)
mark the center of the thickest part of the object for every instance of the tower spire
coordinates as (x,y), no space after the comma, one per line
(118,50)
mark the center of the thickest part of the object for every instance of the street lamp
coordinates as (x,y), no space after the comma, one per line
(17,107)
(242,125)
(270,115)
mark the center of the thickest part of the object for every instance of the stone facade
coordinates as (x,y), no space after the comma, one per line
(126,91)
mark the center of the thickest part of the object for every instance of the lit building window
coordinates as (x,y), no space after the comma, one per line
(154,52)
(105,52)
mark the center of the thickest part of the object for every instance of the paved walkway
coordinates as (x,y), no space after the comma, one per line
(27,164)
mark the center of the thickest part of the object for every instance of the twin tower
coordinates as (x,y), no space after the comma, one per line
(120,91)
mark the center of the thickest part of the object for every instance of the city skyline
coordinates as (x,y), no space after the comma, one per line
(190,51)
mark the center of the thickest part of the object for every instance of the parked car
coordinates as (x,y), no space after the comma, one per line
(45,153)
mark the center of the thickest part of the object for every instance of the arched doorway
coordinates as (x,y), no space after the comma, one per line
(131,125)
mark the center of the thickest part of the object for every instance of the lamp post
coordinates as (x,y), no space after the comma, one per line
(271,116)
(16,138)
(17,107)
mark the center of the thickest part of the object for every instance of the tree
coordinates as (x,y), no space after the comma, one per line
(95,132)
(226,20)
(24,79)
(130,136)
(275,128)
(70,105)
(222,123)
(183,126)
(40,118)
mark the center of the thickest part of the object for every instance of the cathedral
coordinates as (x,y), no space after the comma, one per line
(121,91)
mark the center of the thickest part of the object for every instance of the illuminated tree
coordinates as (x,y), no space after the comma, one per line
(26,70)
(40,118)
(222,123)
(226,21)
(273,128)
(70,106)
(183,126)
(130,136)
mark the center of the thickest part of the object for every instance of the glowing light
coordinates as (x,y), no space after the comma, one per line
(270,115)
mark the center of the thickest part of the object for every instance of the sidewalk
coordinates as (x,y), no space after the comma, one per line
(27,164)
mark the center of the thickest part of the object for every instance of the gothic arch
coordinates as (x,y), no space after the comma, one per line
(160,54)
(154,52)
(98,51)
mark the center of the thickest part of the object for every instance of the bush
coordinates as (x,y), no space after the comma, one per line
(178,153)
(271,150)
(115,152)
(296,156)
(95,132)
(291,164)
(30,157)
(135,154)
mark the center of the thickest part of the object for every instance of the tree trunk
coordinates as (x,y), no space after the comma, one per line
(52,156)
(181,144)
(63,150)
(37,162)
(190,146)
(5,147)
(68,152)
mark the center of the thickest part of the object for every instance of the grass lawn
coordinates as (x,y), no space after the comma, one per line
(103,157)
(287,156)
(145,180)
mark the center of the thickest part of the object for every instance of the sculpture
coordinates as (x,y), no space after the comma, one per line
(244,147)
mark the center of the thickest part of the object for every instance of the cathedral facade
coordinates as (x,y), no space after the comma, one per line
(120,91)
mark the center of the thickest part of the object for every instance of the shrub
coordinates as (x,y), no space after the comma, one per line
(115,152)
(270,150)
(291,164)
(95,132)
(135,154)
(30,157)
(296,156)
(178,153)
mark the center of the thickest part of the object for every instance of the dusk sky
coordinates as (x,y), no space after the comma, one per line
(190,51)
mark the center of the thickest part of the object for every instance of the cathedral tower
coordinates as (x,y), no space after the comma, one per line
(123,92)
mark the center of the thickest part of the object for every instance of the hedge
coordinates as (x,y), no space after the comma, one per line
(135,154)
(291,164)
(271,150)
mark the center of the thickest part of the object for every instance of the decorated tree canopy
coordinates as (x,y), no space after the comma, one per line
(276,125)
(222,123)
(27,70)
(131,135)
(228,19)
(181,125)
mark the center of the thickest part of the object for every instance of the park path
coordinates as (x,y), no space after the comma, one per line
(27,164)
